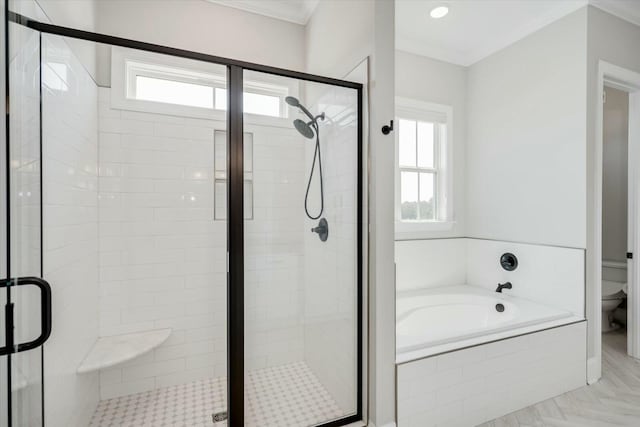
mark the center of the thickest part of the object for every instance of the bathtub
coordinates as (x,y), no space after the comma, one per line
(443,319)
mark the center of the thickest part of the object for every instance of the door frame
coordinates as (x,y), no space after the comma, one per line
(617,77)
(235,222)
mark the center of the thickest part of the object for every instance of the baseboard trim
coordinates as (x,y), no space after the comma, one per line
(594,370)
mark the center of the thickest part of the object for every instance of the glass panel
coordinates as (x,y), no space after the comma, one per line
(426,146)
(409,195)
(173,92)
(25,213)
(300,291)
(254,103)
(131,245)
(407,143)
(427,193)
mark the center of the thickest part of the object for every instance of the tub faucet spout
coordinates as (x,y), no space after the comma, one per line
(502,286)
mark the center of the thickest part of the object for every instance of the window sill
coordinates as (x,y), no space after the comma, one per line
(421,230)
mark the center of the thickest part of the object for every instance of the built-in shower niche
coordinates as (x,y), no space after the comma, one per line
(143,157)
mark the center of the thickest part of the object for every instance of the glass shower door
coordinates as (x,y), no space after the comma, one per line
(301,252)
(26,297)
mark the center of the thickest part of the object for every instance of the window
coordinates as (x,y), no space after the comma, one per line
(423,169)
(173,92)
(170,85)
(220,175)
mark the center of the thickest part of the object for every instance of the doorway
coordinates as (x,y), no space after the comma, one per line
(615,295)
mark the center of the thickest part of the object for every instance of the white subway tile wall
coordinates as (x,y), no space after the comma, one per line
(70,210)
(274,250)
(477,384)
(163,256)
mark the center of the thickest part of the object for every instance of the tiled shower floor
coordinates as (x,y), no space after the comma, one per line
(288,395)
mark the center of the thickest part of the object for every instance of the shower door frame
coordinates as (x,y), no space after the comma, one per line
(235,201)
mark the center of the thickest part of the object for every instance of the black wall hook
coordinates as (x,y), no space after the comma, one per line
(386,129)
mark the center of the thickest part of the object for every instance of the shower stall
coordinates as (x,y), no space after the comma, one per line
(184,237)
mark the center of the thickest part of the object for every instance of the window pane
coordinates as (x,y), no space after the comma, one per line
(427,200)
(221,99)
(173,92)
(407,146)
(425,145)
(254,103)
(409,195)
(265,105)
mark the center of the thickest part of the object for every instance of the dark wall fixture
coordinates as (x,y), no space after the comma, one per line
(509,261)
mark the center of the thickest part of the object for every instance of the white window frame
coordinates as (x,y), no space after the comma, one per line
(127,64)
(420,111)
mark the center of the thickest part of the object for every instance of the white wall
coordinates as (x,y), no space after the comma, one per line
(338,36)
(526,154)
(614,182)
(70,210)
(429,80)
(205,27)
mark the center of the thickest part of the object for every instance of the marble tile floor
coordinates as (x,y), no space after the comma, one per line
(612,401)
(288,395)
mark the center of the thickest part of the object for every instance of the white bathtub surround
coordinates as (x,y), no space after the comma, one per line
(550,275)
(470,386)
(443,319)
(424,264)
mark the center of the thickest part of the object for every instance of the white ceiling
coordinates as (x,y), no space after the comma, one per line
(296,11)
(474,29)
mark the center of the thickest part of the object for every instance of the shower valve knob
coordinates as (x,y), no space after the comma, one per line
(322,229)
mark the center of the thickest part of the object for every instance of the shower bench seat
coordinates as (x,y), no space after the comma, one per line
(113,350)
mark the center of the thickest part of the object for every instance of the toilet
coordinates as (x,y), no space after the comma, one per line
(613,293)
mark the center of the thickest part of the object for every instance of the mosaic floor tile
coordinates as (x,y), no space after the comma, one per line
(282,396)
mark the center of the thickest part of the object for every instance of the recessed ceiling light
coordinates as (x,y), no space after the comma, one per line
(439,12)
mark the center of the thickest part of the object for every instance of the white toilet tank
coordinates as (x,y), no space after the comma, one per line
(611,288)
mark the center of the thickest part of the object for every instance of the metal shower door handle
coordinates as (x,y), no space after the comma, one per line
(45,315)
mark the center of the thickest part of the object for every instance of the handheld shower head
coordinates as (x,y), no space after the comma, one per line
(295,103)
(304,128)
